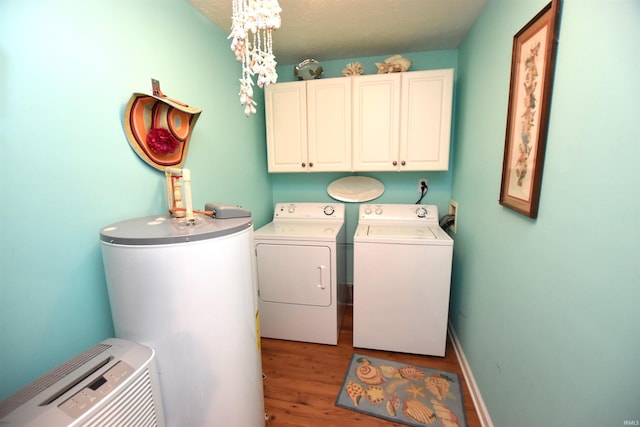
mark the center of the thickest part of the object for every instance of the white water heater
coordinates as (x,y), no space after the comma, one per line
(114,383)
(187,289)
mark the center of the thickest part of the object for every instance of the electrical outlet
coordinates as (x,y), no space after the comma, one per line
(421,182)
(453,210)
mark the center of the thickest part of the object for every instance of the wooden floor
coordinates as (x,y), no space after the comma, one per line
(303,380)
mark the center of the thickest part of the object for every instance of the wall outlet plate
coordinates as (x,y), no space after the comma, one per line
(422,181)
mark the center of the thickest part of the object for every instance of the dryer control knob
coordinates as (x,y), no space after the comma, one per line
(367,211)
(328,210)
(378,211)
(291,209)
(421,212)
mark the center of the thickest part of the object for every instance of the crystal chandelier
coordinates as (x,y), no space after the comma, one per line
(252,23)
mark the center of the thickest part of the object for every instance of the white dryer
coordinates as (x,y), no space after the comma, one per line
(301,270)
(401,279)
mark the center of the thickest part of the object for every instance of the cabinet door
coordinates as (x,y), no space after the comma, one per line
(329,124)
(286,125)
(376,118)
(425,127)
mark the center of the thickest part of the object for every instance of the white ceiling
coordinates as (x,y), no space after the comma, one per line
(338,29)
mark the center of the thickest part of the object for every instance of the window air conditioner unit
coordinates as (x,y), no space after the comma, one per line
(114,383)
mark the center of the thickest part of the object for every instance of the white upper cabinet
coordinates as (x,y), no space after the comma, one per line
(425,120)
(286,124)
(309,126)
(376,122)
(329,124)
(380,122)
(402,122)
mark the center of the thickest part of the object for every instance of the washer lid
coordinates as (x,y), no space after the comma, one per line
(164,229)
(324,230)
(393,233)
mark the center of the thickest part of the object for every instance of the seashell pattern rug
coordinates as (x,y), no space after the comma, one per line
(402,393)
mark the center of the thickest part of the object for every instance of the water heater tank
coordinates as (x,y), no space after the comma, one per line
(189,292)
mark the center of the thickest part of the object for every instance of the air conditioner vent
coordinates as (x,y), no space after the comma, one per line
(134,407)
(112,384)
(50,378)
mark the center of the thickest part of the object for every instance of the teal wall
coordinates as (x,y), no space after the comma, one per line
(67,69)
(548,310)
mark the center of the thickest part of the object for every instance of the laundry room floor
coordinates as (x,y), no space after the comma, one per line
(303,380)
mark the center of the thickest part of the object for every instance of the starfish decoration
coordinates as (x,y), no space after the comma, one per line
(415,391)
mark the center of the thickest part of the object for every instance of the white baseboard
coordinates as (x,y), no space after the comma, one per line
(481,409)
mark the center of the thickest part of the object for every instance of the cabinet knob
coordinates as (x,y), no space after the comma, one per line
(403,163)
(310,164)
(304,164)
(395,163)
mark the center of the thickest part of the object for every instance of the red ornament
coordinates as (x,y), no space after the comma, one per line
(161,141)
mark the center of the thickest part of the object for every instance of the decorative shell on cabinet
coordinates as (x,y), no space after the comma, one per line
(309,69)
(353,69)
(393,64)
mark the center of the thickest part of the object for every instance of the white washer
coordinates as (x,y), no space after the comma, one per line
(401,279)
(301,272)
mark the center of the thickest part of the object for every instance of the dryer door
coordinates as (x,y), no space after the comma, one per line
(294,274)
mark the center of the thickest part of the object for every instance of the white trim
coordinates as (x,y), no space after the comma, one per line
(481,409)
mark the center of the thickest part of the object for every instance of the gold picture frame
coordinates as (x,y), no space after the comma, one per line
(532,68)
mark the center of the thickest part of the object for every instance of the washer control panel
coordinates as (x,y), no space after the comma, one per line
(308,211)
(398,212)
